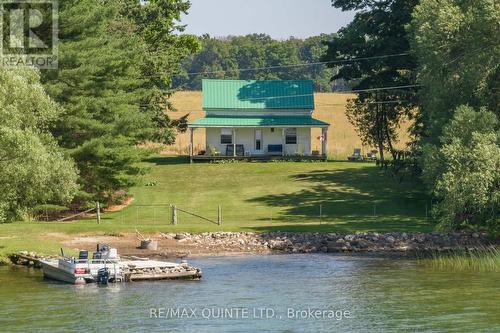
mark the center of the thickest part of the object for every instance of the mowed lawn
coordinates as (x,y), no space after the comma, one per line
(286,196)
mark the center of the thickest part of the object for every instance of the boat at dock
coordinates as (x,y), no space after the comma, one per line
(106,266)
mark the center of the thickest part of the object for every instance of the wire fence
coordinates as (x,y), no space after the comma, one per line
(358,212)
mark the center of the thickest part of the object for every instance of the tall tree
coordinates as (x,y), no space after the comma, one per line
(33,170)
(460,75)
(378,29)
(115,66)
(458,55)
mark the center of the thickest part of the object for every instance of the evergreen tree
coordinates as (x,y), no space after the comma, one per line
(115,66)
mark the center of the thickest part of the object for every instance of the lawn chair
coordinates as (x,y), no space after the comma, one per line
(372,155)
(356,155)
(211,151)
(240,150)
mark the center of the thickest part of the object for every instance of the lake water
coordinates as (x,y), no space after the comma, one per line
(262,293)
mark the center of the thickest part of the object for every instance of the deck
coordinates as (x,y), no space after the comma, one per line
(257,158)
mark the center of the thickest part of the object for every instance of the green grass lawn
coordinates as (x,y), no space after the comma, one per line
(282,196)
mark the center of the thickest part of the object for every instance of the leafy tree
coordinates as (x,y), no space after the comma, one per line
(378,29)
(33,170)
(464,171)
(236,57)
(116,62)
(457,44)
(215,58)
(312,51)
(250,52)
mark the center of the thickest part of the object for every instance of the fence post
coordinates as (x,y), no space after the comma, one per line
(219,215)
(98,209)
(174,214)
(320,213)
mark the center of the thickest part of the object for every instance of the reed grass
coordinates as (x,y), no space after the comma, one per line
(486,259)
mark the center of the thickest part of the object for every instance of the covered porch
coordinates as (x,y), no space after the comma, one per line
(258,138)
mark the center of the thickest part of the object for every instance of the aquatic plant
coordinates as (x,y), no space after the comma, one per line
(485,259)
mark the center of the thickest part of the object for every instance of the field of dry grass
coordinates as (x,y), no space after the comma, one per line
(330,107)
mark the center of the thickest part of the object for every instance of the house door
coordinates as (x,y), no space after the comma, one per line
(258,140)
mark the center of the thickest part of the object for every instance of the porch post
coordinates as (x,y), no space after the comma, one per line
(283,141)
(234,142)
(191,130)
(324,135)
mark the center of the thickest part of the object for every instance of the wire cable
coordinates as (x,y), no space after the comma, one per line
(302,64)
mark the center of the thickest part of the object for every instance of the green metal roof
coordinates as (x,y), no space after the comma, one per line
(257,121)
(237,94)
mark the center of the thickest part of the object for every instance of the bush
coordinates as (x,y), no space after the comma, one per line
(464,171)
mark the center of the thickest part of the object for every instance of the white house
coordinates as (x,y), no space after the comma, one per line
(258,119)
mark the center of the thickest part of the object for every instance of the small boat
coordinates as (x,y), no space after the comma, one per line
(106,266)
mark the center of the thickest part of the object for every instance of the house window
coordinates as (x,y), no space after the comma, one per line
(226,136)
(291,136)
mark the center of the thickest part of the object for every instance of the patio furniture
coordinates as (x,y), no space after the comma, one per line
(275,149)
(240,150)
(372,155)
(356,155)
(211,151)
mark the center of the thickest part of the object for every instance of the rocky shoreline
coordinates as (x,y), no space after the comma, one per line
(282,242)
(175,245)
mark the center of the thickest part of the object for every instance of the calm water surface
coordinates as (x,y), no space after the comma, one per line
(381,294)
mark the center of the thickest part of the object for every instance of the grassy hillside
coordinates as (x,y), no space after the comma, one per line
(254,197)
(330,107)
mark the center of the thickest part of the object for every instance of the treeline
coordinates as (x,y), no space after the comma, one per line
(442,64)
(235,57)
(72,136)
(75,135)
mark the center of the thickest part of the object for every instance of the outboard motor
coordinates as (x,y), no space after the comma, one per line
(103,275)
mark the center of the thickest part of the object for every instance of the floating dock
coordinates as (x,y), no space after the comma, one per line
(77,271)
(139,270)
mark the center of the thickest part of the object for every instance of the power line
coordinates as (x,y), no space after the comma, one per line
(343,92)
(385,88)
(366,103)
(316,105)
(340,61)
(302,64)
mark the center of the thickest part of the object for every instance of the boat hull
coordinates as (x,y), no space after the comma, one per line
(52,271)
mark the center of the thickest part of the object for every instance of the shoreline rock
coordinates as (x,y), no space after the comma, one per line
(286,242)
(180,245)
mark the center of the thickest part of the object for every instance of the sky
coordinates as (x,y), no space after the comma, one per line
(279,18)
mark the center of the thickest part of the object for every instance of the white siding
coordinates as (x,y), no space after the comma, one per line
(246,136)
